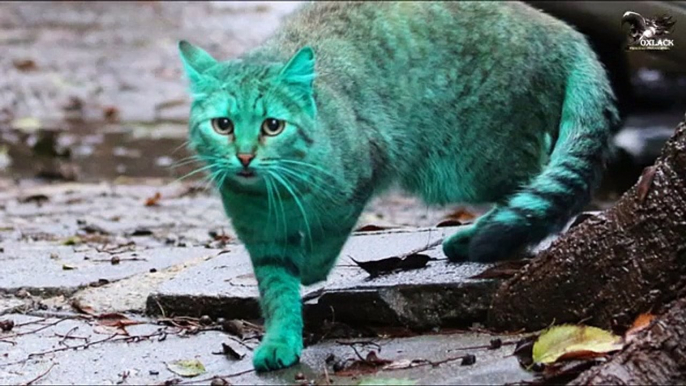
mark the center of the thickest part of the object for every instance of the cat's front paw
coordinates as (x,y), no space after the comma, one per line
(275,355)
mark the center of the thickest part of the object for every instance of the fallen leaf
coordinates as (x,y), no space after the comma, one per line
(640,324)
(570,341)
(80,307)
(25,64)
(371,228)
(392,264)
(564,372)
(154,200)
(503,270)
(222,237)
(110,113)
(141,232)
(374,359)
(449,223)
(94,229)
(74,240)
(26,124)
(37,198)
(107,318)
(400,364)
(370,364)
(462,215)
(107,330)
(186,368)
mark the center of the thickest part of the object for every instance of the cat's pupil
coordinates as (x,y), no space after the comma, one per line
(272,125)
(224,124)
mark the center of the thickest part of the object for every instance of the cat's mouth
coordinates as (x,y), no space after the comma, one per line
(246,173)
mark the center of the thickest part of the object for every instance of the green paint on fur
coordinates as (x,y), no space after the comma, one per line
(456,102)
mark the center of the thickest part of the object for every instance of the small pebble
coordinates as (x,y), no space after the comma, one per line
(6,325)
(115,260)
(205,320)
(299,376)
(496,343)
(154,372)
(153,270)
(217,381)
(233,327)
(468,360)
(221,321)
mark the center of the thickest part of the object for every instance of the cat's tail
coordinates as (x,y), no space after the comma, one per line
(575,167)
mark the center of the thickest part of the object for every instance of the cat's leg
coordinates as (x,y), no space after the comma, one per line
(456,247)
(279,285)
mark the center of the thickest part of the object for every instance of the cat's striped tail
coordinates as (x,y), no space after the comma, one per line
(566,183)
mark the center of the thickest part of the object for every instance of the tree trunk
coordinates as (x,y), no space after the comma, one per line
(628,260)
(657,357)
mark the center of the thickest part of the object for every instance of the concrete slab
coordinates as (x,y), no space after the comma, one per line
(47,269)
(143,361)
(440,294)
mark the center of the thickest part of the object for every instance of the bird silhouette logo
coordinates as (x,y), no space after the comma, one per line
(647,32)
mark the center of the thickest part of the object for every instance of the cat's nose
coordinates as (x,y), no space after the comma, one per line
(245,158)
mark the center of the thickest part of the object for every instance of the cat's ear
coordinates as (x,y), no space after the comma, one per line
(195,61)
(300,68)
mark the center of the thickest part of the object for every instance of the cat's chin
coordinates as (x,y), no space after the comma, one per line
(253,183)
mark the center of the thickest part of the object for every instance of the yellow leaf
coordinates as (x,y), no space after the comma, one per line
(26,124)
(570,341)
(186,368)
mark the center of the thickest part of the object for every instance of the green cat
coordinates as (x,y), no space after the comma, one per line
(456,102)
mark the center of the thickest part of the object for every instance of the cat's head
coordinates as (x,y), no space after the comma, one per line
(247,120)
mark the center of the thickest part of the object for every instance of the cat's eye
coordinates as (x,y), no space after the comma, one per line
(272,126)
(222,126)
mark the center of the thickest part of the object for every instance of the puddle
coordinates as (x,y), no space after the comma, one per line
(90,152)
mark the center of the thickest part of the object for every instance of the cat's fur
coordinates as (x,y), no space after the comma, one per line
(457,102)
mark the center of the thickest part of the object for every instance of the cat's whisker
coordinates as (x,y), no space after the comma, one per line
(185,161)
(276,196)
(300,163)
(194,172)
(213,179)
(184,144)
(287,186)
(311,183)
(267,184)
(317,203)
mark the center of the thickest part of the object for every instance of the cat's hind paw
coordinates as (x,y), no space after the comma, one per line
(275,355)
(456,247)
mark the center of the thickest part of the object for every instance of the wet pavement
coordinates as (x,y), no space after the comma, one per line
(141,353)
